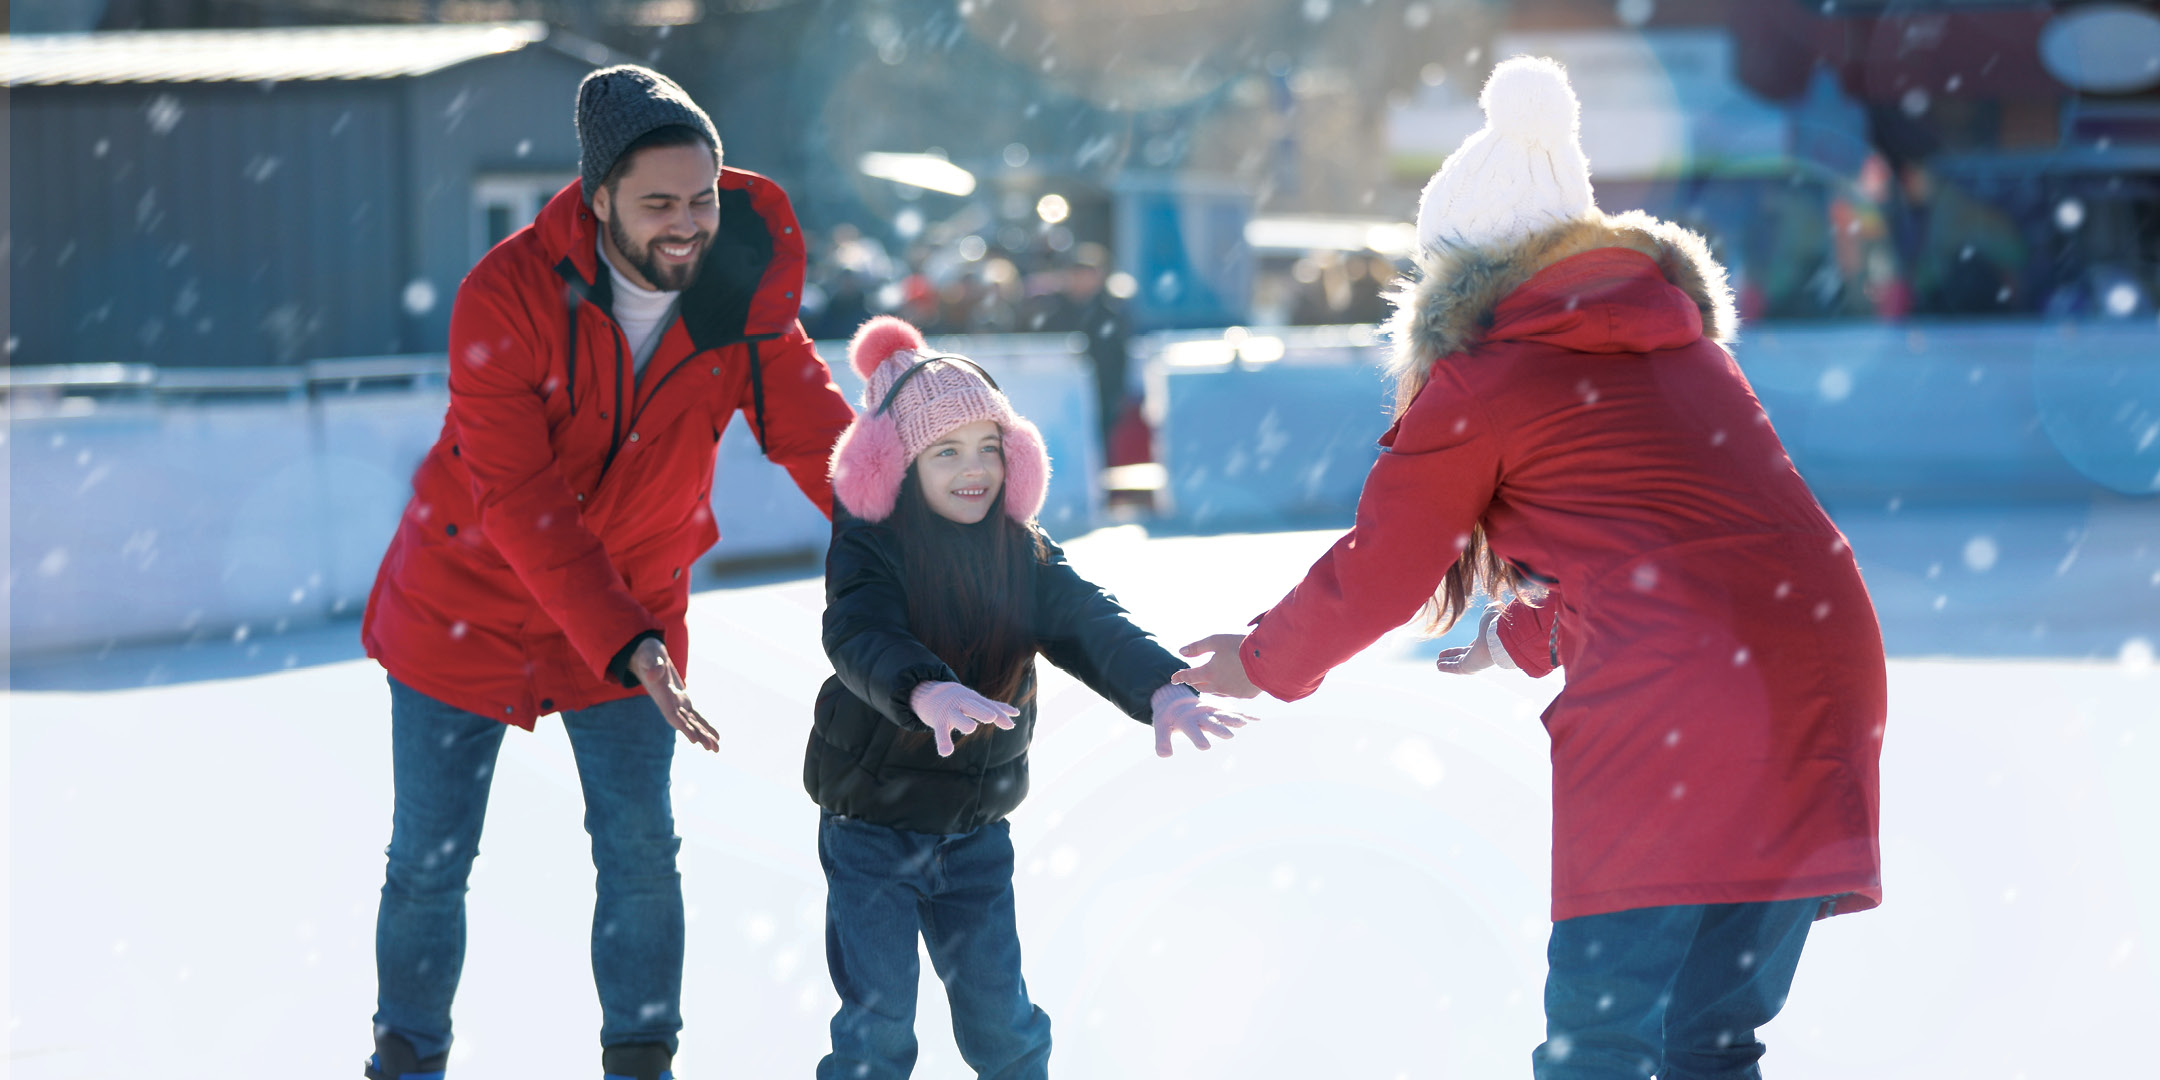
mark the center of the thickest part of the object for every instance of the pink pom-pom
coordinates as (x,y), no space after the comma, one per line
(878,340)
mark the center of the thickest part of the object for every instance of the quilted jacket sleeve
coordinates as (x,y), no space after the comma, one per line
(1085,631)
(866,632)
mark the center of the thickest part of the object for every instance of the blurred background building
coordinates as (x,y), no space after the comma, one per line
(983,165)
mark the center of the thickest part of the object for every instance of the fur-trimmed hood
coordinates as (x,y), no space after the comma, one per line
(1449,306)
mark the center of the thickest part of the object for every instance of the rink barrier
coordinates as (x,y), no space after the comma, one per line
(1277,429)
(157,504)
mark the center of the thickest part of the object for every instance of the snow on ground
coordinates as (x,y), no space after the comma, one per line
(1356,887)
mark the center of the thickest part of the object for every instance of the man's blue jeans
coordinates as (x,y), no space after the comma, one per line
(443,759)
(1672,991)
(882,887)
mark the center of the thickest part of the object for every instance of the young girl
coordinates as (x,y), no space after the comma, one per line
(939,591)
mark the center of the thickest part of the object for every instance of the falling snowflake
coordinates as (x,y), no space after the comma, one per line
(419,297)
(1064,861)
(164,114)
(2136,656)
(1418,761)
(1835,385)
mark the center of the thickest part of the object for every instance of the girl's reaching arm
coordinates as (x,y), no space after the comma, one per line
(866,632)
(1085,631)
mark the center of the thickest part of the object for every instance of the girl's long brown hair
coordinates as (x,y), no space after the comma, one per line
(970,595)
(1477,571)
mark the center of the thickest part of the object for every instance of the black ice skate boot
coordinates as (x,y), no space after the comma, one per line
(637,1061)
(394,1060)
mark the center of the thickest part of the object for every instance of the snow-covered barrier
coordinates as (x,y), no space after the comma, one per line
(1267,431)
(232,504)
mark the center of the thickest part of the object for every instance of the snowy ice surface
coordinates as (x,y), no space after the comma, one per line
(1355,887)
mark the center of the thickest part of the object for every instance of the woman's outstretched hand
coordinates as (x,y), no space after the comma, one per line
(1224,673)
(951,709)
(1178,708)
(1474,657)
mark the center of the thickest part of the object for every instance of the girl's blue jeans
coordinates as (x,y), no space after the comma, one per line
(1675,992)
(444,760)
(883,887)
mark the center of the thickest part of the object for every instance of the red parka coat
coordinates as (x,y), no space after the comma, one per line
(555,521)
(1718,735)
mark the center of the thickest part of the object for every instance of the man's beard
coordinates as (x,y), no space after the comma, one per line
(668,277)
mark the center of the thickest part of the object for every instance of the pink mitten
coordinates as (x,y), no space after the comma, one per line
(950,709)
(1178,708)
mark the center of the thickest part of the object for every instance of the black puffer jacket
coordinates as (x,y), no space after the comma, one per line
(871,758)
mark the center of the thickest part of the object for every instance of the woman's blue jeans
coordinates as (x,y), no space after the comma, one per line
(883,886)
(1675,992)
(443,759)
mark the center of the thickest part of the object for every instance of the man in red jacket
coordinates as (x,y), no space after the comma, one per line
(541,566)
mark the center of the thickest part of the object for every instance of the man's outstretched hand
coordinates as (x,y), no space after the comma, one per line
(656,670)
(1224,673)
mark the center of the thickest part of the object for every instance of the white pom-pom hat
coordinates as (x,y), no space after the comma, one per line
(1521,174)
(911,398)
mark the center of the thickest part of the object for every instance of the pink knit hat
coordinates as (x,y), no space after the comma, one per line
(936,394)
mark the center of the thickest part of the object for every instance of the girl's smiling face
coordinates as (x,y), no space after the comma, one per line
(962,472)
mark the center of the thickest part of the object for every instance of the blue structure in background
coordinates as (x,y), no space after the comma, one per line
(1272,432)
(1183,242)
(1266,432)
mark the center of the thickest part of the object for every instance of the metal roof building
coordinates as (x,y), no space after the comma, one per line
(236,197)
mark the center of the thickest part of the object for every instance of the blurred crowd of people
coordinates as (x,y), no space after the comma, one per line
(972,287)
(967,287)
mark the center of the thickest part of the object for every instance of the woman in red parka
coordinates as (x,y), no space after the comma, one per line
(1573,441)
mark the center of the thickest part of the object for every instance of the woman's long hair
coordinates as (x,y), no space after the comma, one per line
(1477,571)
(970,595)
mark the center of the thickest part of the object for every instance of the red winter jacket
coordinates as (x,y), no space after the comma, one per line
(555,521)
(1718,735)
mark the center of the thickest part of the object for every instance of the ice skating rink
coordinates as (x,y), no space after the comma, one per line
(1355,887)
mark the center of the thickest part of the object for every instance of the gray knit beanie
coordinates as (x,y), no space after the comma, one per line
(616,106)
